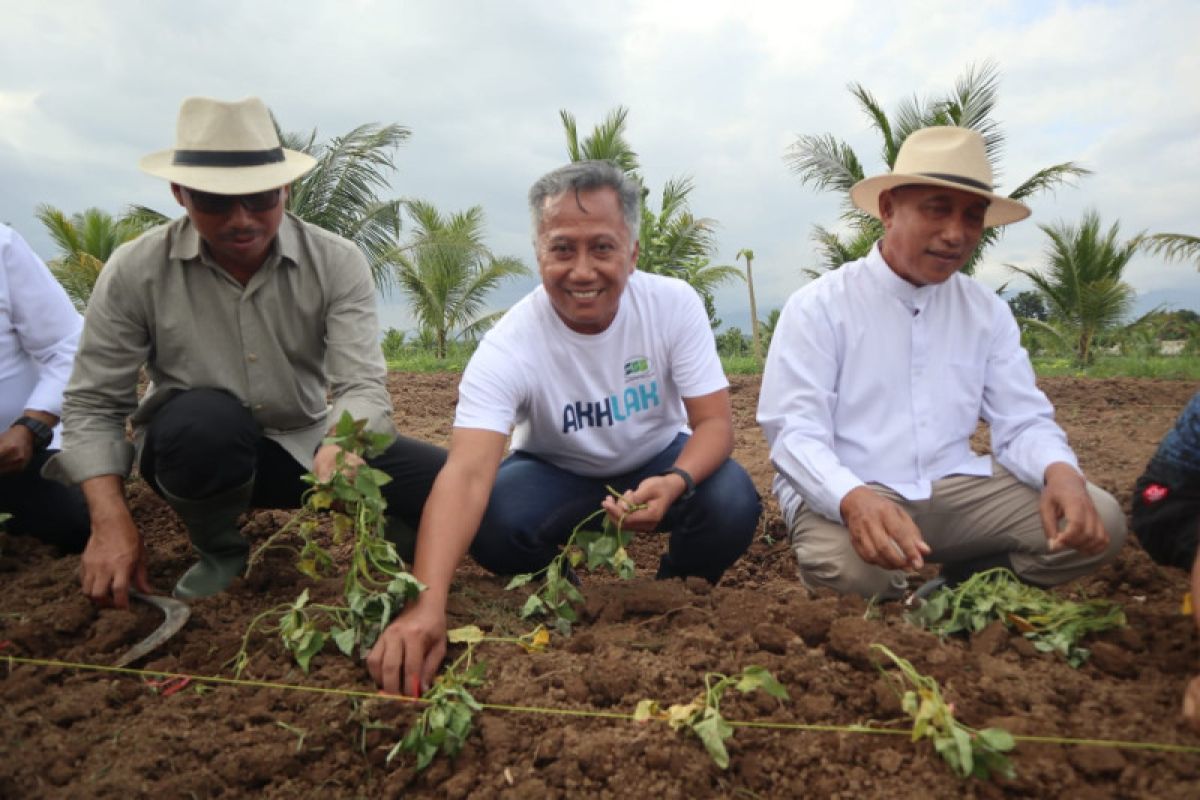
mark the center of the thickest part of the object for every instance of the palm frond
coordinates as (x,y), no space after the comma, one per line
(824,162)
(1174,246)
(1049,178)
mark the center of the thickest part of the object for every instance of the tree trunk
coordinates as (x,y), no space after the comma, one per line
(758,356)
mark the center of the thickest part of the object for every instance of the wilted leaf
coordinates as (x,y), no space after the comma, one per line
(468,634)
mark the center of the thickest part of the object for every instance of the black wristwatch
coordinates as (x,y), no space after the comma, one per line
(43,434)
(688,483)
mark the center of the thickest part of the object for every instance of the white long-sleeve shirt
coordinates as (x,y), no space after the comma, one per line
(873,380)
(39,331)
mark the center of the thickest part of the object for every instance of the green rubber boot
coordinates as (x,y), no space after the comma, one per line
(212,527)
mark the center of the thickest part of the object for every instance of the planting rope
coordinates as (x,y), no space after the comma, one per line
(1118,744)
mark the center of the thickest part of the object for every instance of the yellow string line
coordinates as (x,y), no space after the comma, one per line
(575,712)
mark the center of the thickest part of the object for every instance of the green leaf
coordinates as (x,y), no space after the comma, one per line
(533,605)
(753,677)
(997,739)
(519,580)
(344,638)
(713,730)
(309,647)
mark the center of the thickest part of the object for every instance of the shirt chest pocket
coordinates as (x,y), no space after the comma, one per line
(960,387)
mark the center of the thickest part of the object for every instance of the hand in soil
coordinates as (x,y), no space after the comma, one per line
(405,658)
(881,532)
(114,558)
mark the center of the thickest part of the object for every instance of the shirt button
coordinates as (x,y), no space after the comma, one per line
(251,357)
(258,406)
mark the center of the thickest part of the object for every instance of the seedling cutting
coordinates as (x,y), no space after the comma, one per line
(1053,624)
(559,595)
(703,717)
(969,752)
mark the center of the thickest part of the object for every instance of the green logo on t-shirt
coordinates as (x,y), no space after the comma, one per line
(637,366)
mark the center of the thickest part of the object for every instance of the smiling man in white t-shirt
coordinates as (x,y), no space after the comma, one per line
(604,376)
(879,373)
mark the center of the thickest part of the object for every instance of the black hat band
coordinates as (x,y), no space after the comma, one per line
(227,158)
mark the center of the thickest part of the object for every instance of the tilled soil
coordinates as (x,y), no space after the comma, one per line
(76,732)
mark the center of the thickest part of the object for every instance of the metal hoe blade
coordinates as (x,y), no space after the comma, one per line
(176,613)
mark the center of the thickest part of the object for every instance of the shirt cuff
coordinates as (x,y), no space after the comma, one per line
(90,461)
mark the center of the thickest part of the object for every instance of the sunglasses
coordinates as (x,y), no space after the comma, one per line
(208,203)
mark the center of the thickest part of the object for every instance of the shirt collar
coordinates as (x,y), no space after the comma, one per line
(913,297)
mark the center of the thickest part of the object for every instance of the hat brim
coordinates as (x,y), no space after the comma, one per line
(1001,210)
(229,180)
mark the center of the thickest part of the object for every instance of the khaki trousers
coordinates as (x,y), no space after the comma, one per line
(967,518)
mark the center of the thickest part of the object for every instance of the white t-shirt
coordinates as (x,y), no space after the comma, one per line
(594,404)
(39,331)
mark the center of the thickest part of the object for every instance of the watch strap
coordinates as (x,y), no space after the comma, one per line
(688,482)
(43,434)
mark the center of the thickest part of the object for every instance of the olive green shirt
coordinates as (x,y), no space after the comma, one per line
(300,333)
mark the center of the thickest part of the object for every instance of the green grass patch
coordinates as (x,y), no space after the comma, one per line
(1165,367)
(741,365)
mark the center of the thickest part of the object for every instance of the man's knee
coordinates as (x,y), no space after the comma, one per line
(202,423)
(852,575)
(201,441)
(1113,519)
(828,560)
(728,501)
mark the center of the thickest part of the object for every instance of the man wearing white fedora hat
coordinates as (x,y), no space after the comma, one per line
(878,375)
(246,319)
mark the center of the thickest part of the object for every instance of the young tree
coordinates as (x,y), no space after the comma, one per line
(1029,305)
(1081,281)
(85,242)
(824,162)
(447,271)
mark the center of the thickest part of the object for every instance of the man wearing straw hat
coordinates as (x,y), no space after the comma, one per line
(879,373)
(246,319)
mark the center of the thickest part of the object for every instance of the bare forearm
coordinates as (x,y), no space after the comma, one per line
(709,447)
(105,495)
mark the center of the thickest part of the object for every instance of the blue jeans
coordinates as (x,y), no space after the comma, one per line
(535,505)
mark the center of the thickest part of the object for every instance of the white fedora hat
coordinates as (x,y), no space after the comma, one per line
(227,148)
(942,156)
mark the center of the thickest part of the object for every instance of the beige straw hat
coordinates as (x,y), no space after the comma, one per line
(942,156)
(227,148)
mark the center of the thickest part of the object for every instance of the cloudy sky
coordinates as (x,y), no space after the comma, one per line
(716,90)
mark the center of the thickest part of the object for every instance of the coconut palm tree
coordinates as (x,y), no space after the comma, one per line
(748,254)
(447,271)
(85,242)
(826,163)
(672,240)
(1081,281)
(341,193)
(1174,246)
